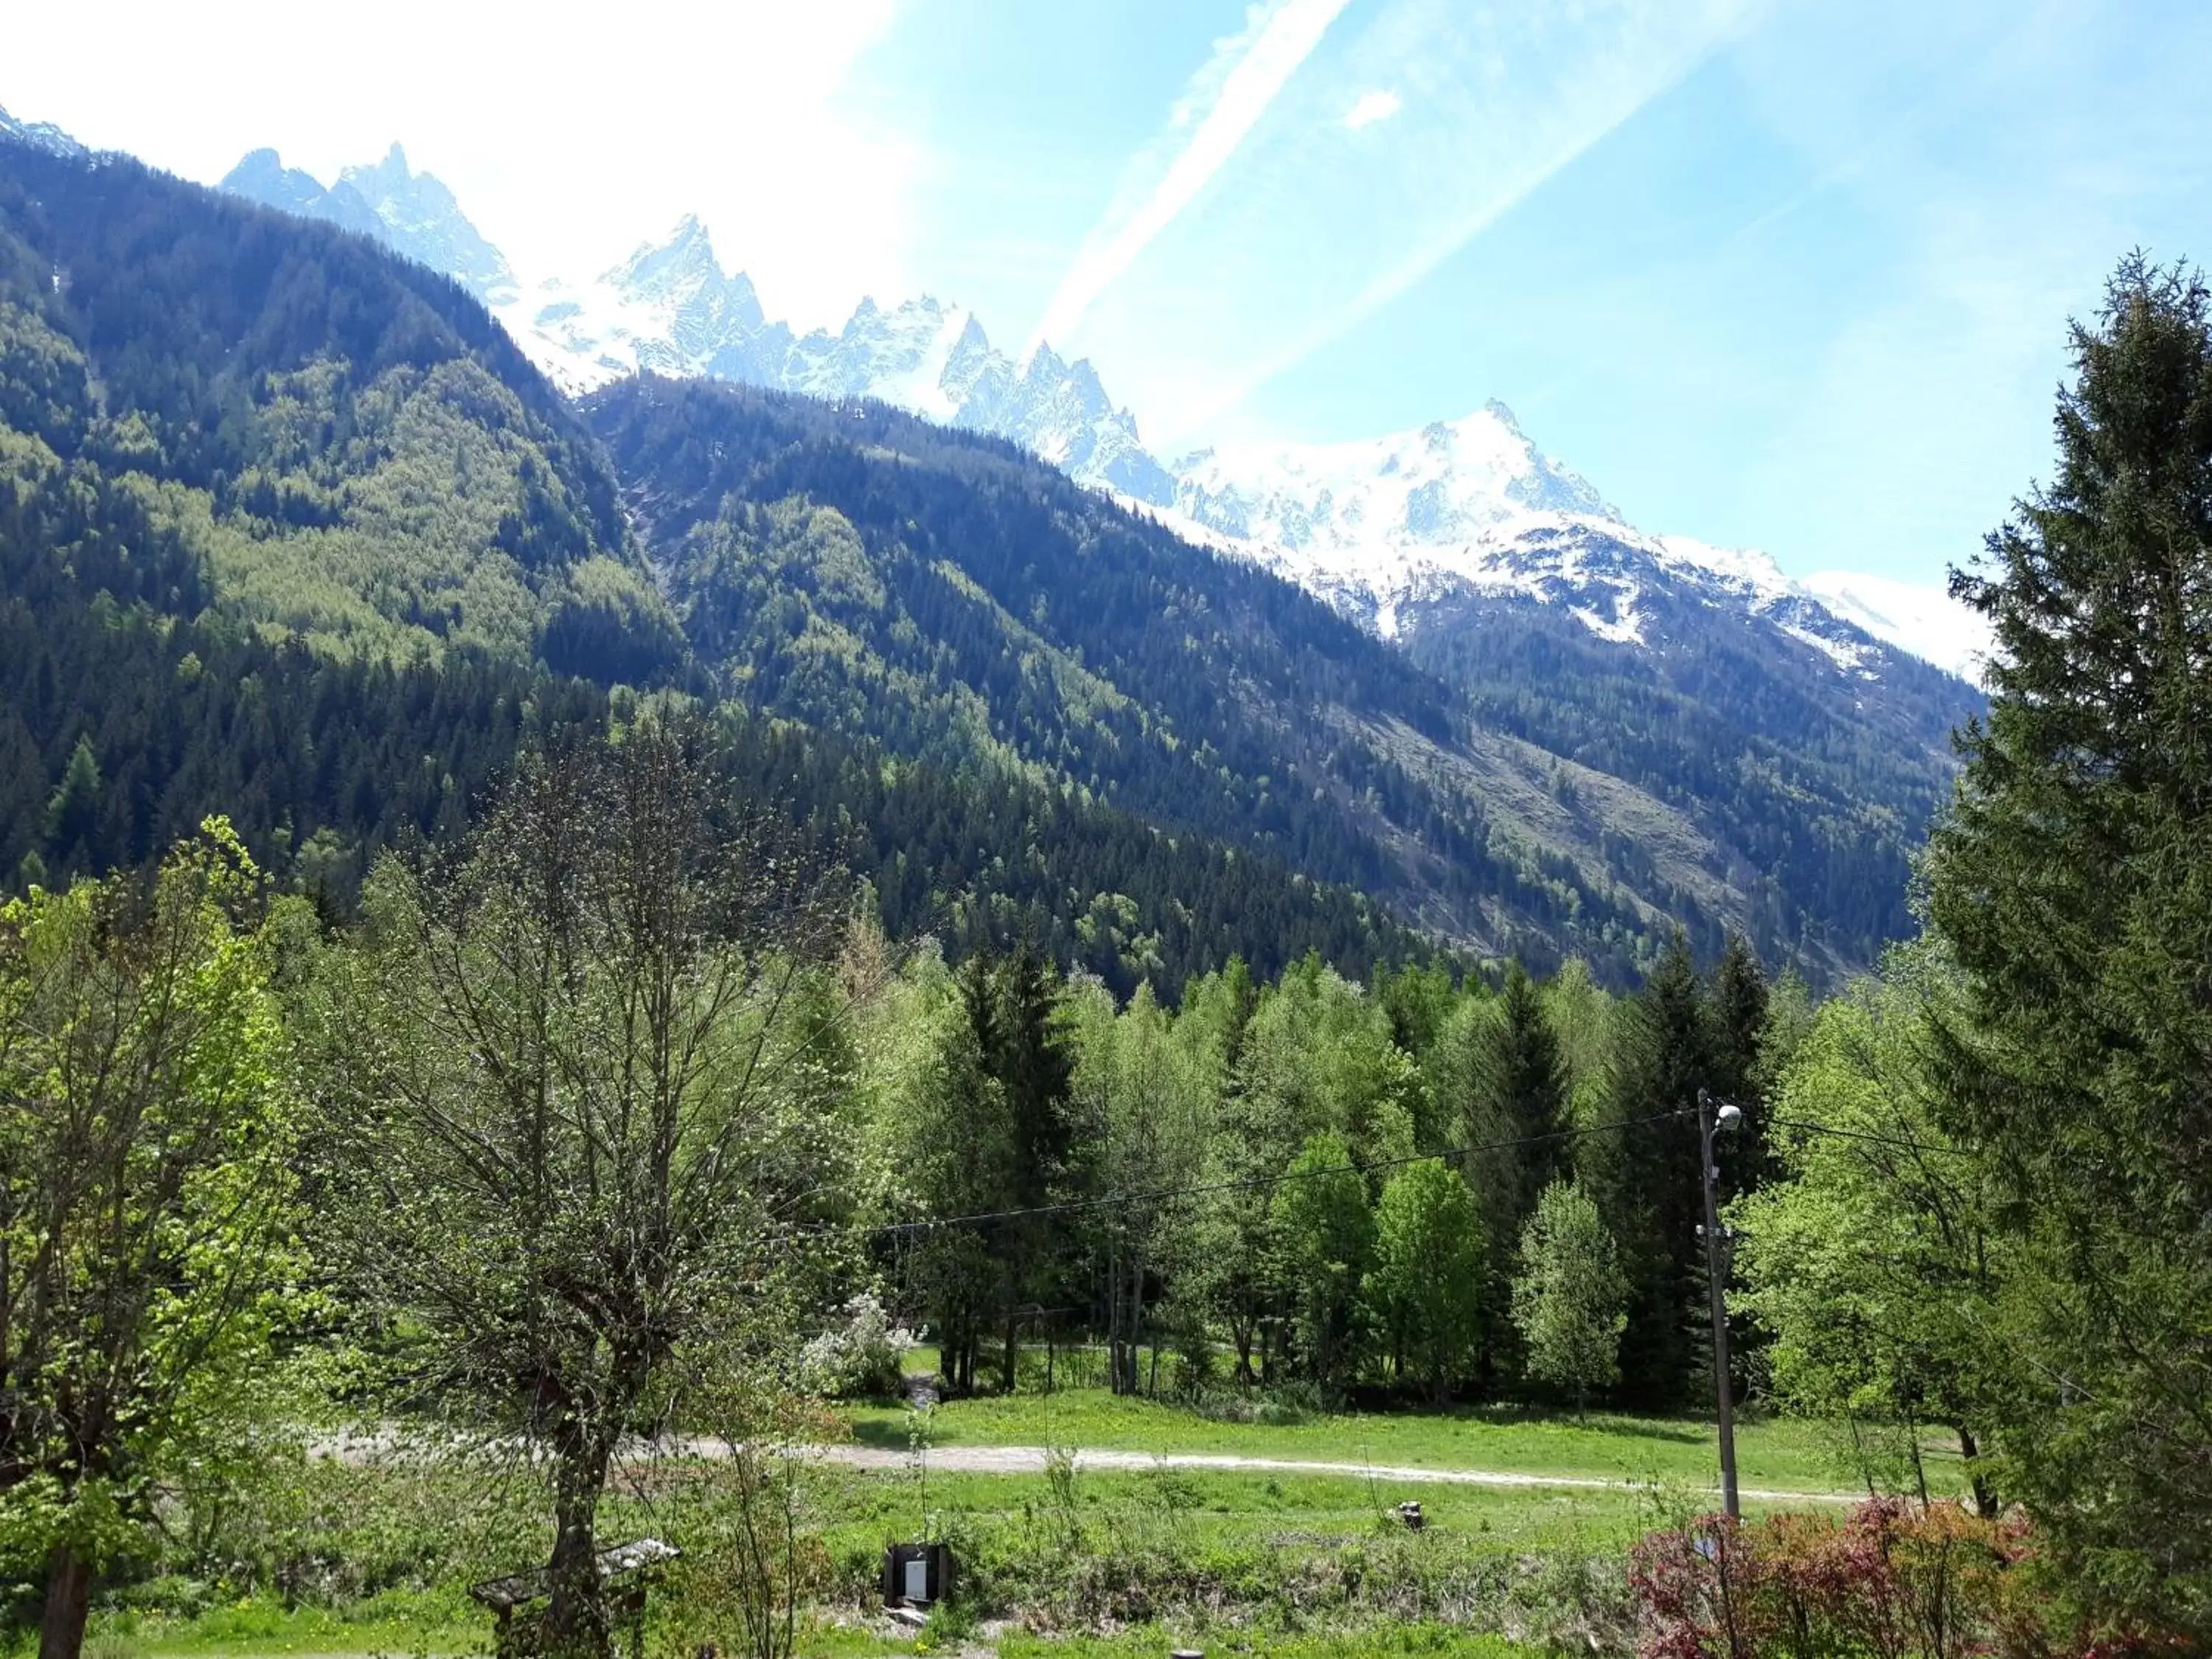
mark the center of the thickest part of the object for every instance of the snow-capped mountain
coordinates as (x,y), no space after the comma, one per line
(1384,527)
(1391,530)
(671,309)
(1917,617)
(39,134)
(411,212)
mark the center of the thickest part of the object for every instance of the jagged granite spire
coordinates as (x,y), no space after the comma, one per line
(411,213)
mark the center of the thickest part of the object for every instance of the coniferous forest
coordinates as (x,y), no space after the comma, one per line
(573,969)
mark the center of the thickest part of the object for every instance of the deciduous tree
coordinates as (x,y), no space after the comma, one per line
(146,1202)
(1870,1261)
(1426,1285)
(586,1099)
(1570,1301)
(1324,1239)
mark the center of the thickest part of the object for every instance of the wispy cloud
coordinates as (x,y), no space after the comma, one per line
(1372,107)
(1225,100)
(1486,100)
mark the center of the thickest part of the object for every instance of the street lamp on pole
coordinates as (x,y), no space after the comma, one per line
(1714,1116)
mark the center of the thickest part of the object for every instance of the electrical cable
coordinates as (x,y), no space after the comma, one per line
(1869,1135)
(1450,1154)
(1246,1183)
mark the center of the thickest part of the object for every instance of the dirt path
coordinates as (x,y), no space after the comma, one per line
(360,1447)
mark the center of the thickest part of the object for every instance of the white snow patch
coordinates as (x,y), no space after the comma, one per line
(1754,573)
(1624,628)
(1844,653)
(1916,616)
(920,386)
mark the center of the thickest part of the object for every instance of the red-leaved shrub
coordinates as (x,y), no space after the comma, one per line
(1893,1580)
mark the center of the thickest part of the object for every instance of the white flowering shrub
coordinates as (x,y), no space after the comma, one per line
(858,1355)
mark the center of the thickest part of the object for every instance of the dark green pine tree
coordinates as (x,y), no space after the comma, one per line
(1241,997)
(1737,1001)
(979,994)
(1644,1176)
(72,813)
(1016,1025)
(1518,1094)
(2073,884)
(1417,999)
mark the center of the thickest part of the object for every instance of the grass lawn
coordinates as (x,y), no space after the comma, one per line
(1227,1562)
(1402,1641)
(1783,1456)
(386,1624)
(1213,1509)
(1275,1561)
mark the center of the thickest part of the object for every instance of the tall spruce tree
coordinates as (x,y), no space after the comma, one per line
(73,812)
(1738,1001)
(1013,1007)
(2073,883)
(1644,1176)
(1517,1095)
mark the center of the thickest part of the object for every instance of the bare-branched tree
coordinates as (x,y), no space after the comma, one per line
(588,1082)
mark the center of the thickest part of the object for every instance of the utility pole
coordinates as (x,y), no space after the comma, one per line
(1710,1117)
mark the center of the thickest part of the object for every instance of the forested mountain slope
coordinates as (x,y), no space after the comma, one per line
(857,567)
(288,530)
(853,566)
(299,461)
(354,452)
(1826,796)
(1647,728)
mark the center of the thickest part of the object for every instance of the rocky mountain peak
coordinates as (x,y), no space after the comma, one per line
(391,173)
(37,135)
(262,175)
(677,268)
(1374,525)
(413,213)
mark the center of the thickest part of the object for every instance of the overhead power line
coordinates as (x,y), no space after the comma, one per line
(1449,1154)
(1869,1135)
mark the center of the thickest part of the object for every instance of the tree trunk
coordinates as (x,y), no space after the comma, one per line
(1013,1345)
(1113,1319)
(69,1599)
(1986,1495)
(576,1614)
(1919,1465)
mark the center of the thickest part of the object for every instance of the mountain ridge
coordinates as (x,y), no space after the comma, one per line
(295,533)
(671,309)
(361,460)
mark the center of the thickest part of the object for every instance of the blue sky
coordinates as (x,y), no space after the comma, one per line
(1777,275)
